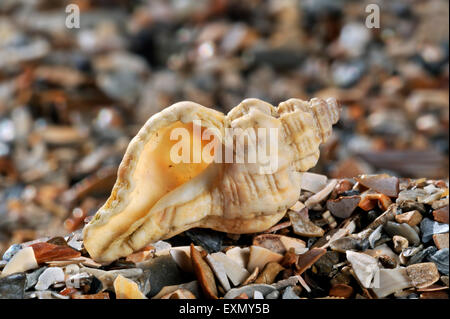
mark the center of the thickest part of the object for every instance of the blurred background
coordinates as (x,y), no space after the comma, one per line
(71,99)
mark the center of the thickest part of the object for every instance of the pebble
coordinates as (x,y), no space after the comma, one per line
(412,218)
(11,251)
(312,182)
(383,183)
(429,228)
(249,290)
(260,256)
(418,256)
(204,274)
(400,243)
(219,270)
(423,275)
(389,281)
(403,230)
(210,240)
(13,286)
(321,195)
(441,241)
(306,260)
(273,295)
(32,277)
(440,258)
(344,206)
(22,261)
(341,290)
(269,273)
(125,288)
(441,215)
(289,293)
(49,277)
(235,271)
(302,226)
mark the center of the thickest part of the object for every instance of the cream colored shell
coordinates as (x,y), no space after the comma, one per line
(155,199)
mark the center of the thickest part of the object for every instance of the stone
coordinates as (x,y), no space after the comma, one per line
(341,290)
(375,235)
(289,293)
(412,218)
(127,289)
(423,275)
(344,206)
(302,226)
(257,295)
(163,271)
(279,243)
(22,261)
(273,295)
(441,240)
(192,286)
(324,264)
(32,277)
(400,243)
(48,252)
(234,270)
(239,255)
(403,230)
(11,251)
(249,290)
(441,215)
(210,240)
(13,286)
(440,258)
(429,228)
(204,274)
(382,183)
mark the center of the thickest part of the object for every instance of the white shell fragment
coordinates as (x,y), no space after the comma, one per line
(235,272)
(50,276)
(239,255)
(260,256)
(313,182)
(364,266)
(22,261)
(320,196)
(219,270)
(389,281)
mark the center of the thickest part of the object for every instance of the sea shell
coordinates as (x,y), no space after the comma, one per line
(155,198)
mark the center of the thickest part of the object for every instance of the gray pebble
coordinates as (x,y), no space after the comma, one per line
(289,293)
(12,250)
(430,227)
(403,230)
(249,290)
(419,256)
(32,277)
(273,295)
(12,286)
(440,258)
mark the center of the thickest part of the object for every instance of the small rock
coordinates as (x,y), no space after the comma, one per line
(48,252)
(163,271)
(251,279)
(127,289)
(289,293)
(249,290)
(375,235)
(273,295)
(412,218)
(400,243)
(257,295)
(382,183)
(210,240)
(49,277)
(440,258)
(32,278)
(239,255)
(387,261)
(279,243)
(403,230)
(291,281)
(423,275)
(302,226)
(344,206)
(429,228)
(13,286)
(325,263)
(341,290)
(11,251)
(204,274)
(441,240)
(441,215)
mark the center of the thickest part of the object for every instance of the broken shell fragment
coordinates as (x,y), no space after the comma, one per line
(279,243)
(49,277)
(364,266)
(341,290)
(22,261)
(180,294)
(412,218)
(382,183)
(234,270)
(260,256)
(155,198)
(127,289)
(219,270)
(306,260)
(313,182)
(204,274)
(389,281)
(269,273)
